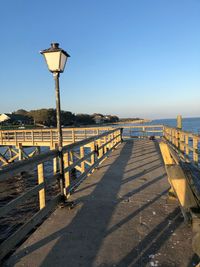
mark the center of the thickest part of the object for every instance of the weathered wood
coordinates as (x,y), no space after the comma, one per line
(39,161)
(195,150)
(180,185)
(167,158)
(82,154)
(180,140)
(92,146)
(13,169)
(179,122)
(21,233)
(41,181)
(66,174)
(48,137)
(13,204)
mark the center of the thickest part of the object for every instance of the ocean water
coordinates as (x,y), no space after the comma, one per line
(188,124)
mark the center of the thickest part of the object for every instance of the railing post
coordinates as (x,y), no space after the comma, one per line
(100,149)
(15,138)
(178,139)
(195,150)
(179,122)
(104,141)
(182,141)
(109,144)
(55,160)
(20,151)
(66,175)
(121,134)
(92,146)
(82,154)
(40,168)
(187,145)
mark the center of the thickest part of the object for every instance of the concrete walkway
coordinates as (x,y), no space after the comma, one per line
(122,217)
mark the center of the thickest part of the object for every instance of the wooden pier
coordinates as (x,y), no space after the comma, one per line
(16,142)
(121,215)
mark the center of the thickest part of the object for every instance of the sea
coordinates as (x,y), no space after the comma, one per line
(188,124)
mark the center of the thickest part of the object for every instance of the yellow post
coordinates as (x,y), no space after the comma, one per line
(92,146)
(177,139)
(104,142)
(20,151)
(182,142)
(55,160)
(187,145)
(41,180)
(100,150)
(82,154)
(179,122)
(66,175)
(195,150)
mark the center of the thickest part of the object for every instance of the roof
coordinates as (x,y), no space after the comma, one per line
(14,117)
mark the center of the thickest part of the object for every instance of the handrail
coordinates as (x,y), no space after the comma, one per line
(90,151)
(184,141)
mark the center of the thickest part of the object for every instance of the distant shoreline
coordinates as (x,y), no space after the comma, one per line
(132,121)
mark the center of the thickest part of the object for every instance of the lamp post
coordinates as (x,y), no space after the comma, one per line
(56,59)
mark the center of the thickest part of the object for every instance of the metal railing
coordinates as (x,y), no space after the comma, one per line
(81,157)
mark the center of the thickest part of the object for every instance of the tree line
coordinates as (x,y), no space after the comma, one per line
(47,117)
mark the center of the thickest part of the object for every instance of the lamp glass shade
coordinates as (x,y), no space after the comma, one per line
(55,58)
(52,60)
(63,60)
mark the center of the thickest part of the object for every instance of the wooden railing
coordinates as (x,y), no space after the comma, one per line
(184,142)
(79,158)
(142,131)
(49,137)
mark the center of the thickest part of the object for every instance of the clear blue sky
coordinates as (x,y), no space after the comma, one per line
(128,57)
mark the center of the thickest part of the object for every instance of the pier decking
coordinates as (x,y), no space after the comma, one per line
(122,217)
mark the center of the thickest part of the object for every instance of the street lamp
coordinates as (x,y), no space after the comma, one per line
(56,59)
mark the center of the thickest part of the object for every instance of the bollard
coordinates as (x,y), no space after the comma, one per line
(179,122)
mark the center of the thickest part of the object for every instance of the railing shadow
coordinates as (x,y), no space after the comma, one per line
(82,238)
(91,221)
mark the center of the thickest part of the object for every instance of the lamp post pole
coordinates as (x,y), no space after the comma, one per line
(56,76)
(56,58)
(58,111)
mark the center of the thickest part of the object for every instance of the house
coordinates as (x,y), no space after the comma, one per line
(98,118)
(16,119)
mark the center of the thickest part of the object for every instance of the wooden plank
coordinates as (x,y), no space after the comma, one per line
(66,174)
(42,200)
(16,167)
(22,232)
(88,170)
(82,154)
(180,186)
(13,204)
(167,158)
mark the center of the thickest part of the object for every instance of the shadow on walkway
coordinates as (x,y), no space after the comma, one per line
(78,241)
